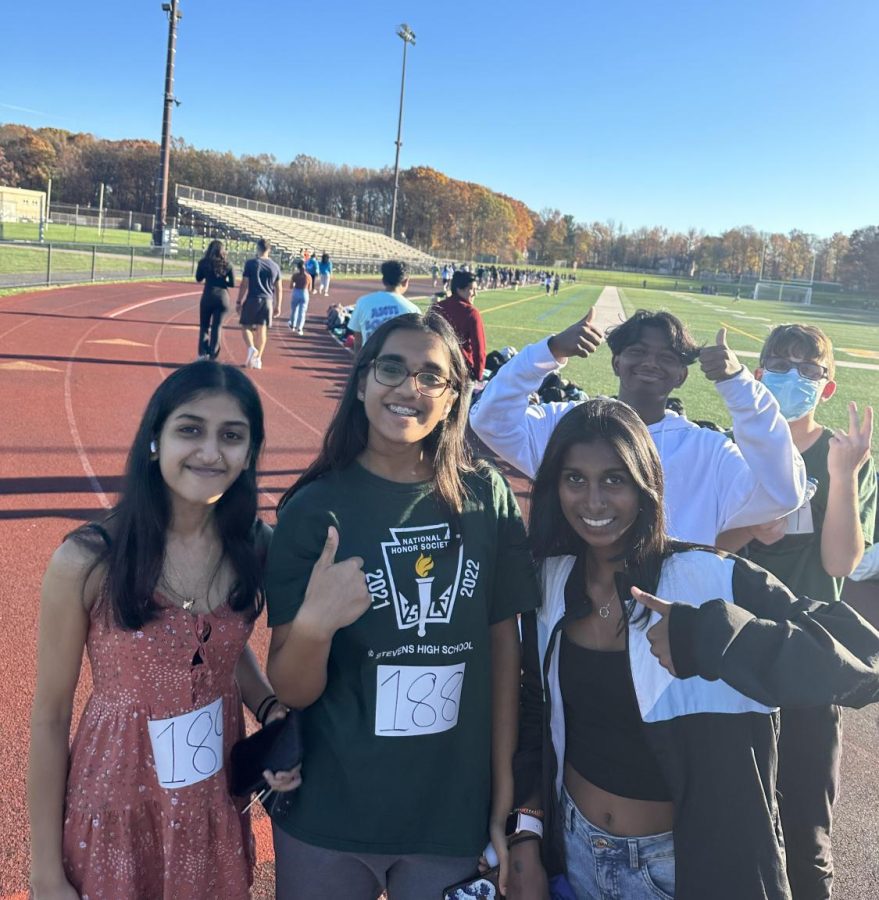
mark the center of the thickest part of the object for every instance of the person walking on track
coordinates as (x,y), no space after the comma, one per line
(325,268)
(260,289)
(214,270)
(300,287)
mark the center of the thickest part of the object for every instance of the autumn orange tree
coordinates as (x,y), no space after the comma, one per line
(439,214)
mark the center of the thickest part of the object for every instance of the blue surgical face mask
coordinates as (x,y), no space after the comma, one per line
(796,395)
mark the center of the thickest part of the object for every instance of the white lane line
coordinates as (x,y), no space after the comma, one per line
(132,306)
(103,499)
(278,345)
(95,482)
(35,320)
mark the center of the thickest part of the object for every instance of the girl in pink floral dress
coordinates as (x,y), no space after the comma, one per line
(163,595)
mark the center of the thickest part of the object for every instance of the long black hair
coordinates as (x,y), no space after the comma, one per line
(137,525)
(215,256)
(347,435)
(616,423)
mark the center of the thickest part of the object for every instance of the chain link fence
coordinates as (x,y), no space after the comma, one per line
(32,264)
(25,264)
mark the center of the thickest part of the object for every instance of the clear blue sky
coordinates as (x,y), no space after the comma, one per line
(688,113)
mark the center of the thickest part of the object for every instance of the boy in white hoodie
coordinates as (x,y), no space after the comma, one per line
(711,484)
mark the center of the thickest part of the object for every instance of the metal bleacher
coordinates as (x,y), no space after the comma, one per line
(292,230)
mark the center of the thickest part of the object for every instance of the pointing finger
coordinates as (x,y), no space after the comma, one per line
(662,607)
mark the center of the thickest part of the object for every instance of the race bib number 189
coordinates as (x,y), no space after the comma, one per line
(188,748)
(412,700)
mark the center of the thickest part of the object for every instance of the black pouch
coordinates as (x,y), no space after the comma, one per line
(277,747)
(484,887)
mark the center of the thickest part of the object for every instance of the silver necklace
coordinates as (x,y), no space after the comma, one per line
(188,600)
(604,609)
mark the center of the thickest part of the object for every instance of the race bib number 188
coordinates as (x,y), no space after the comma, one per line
(412,700)
(188,748)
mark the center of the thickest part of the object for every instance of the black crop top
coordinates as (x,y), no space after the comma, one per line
(605,741)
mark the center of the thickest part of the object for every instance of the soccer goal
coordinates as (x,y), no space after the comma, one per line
(789,291)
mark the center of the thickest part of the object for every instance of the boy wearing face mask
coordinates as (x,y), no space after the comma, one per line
(811,551)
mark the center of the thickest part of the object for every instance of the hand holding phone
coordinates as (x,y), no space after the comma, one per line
(484,887)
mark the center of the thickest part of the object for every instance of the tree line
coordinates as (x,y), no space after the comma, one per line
(442,215)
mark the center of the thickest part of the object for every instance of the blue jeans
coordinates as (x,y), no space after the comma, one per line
(298,308)
(602,866)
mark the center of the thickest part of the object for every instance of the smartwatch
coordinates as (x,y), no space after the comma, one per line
(519,821)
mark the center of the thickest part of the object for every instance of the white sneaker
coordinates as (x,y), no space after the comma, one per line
(251,357)
(257,362)
(301,331)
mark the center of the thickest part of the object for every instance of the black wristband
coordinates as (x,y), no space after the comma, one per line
(265,715)
(265,707)
(522,838)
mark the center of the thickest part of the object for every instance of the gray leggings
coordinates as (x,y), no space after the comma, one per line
(306,872)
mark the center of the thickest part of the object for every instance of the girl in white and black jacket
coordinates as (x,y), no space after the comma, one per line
(647,748)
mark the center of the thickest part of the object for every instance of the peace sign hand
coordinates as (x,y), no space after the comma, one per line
(579,339)
(660,642)
(849,451)
(719,362)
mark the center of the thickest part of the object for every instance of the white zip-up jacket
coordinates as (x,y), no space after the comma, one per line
(742,645)
(711,483)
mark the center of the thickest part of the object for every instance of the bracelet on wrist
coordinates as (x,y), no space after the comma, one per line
(522,838)
(537,813)
(268,710)
(265,707)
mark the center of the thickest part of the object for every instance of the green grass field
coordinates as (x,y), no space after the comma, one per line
(520,318)
(70,263)
(821,296)
(80,234)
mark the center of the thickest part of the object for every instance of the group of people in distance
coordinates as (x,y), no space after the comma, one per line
(259,296)
(595,700)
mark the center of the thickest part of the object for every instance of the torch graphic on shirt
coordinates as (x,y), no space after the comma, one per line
(423,565)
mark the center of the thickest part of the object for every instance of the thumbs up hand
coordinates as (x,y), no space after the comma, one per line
(719,362)
(660,643)
(579,339)
(336,595)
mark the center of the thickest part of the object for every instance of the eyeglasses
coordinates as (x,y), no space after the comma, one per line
(810,370)
(391,373)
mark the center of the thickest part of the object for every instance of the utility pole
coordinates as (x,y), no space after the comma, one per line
(100,212)
(408,37)
(762,255)
(174,15)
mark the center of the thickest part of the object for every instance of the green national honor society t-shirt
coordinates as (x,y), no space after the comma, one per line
(397,749)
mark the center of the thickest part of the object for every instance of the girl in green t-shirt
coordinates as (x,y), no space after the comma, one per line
(394,580)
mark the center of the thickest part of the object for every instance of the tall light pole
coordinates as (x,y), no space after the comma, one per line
(408,37)
(174,15)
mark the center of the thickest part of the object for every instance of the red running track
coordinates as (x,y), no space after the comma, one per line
(76,368)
